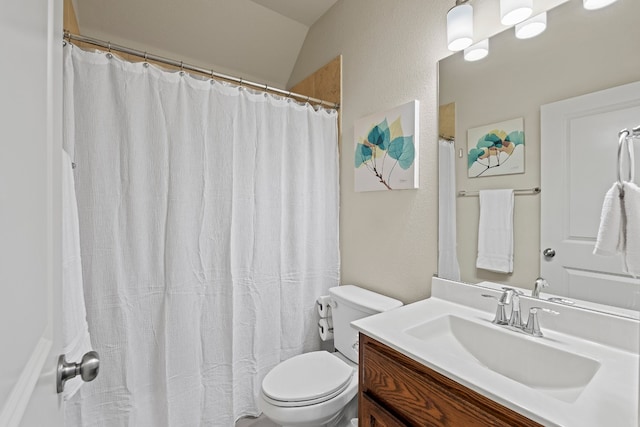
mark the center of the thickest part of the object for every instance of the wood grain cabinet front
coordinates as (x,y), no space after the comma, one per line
(397,391)
(372,414)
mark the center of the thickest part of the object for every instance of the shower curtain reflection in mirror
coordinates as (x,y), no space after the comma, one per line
(208,225)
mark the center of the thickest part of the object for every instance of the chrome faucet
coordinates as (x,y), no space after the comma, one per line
(508,295)
(537,287)
(533,324)
(512,296)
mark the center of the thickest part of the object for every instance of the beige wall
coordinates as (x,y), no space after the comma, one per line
(581,52)
(390,51)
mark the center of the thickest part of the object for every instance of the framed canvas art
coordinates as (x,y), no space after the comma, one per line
(496,149)
(386,150)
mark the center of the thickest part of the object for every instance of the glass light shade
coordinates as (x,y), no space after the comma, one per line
(596,4)
(460,27)
(532,26)
(477,51)
(514,11)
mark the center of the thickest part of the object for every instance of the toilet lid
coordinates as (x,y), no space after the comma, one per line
(307,379)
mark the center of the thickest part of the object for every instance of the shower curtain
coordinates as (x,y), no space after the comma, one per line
(448,267)
(208,225)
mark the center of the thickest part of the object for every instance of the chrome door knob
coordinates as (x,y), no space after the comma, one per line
(88,369)
(549,253)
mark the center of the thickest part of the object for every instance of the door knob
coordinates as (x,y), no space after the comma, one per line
(87,369)
(549,253)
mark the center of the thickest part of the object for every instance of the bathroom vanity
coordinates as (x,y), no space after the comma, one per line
(395,390)
(442,362)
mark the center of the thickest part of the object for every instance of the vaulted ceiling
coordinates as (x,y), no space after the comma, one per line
(258,40)
(255,39)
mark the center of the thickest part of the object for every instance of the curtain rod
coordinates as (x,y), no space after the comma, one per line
(535,190)
(214,75)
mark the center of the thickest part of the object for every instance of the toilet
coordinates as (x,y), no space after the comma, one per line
(320,388)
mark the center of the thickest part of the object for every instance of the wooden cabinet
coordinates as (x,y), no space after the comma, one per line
(373,414)
(397,391)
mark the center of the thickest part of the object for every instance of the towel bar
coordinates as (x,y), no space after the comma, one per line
(524,191)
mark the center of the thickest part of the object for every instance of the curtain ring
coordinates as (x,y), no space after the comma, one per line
(624,133)
(240,81)
(308,98)
(109,46)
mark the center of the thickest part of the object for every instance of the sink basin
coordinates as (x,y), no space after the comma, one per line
(527,360)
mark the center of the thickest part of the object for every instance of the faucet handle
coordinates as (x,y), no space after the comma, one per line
(501,313)
(510,293)
(540,284)
(507,295)
(533,324)
(561,300)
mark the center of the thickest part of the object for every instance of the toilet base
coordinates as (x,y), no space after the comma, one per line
(342,418)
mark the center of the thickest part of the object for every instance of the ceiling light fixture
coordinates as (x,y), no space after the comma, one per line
(477,51)
(532,26)
(460,26)
(596,4)
(514,11)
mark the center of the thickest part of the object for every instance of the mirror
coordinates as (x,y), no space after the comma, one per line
(579,53)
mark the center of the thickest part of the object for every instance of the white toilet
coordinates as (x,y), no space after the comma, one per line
(320,388)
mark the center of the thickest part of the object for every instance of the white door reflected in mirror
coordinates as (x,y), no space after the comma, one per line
(579,148)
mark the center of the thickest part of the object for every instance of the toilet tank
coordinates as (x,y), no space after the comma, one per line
(350,303)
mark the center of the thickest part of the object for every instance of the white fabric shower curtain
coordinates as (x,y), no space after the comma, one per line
(448,267)
(209,226)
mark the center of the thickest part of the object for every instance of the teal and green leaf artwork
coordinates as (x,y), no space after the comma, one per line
(496,149)
(386,150)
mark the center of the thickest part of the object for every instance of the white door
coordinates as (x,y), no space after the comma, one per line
(578,156)
(30,204)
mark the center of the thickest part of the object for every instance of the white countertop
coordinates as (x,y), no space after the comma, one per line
(610,398)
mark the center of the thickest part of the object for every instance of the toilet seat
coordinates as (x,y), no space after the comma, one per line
(306,379)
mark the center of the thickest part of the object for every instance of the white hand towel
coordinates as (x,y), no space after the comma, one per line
(632,228)
(610,238)
(75,331)
(495,231)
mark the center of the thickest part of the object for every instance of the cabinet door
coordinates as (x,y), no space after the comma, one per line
(422,397)
(373,415)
